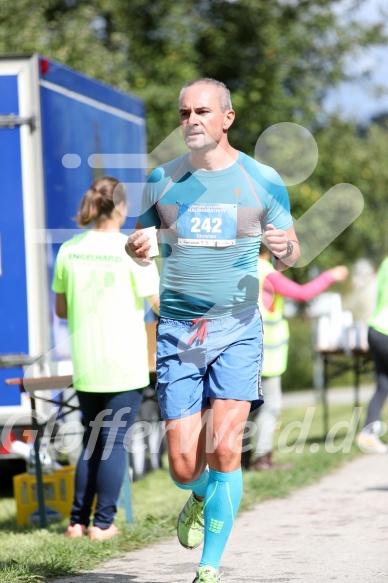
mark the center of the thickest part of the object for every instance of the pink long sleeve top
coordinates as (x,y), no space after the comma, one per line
(278,283)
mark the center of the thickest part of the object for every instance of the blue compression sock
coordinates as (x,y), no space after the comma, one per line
(198,486)
(223,496)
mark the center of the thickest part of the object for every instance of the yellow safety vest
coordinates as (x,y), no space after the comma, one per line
(276,331)
(379,318)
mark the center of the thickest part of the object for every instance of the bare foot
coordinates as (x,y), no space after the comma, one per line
(76,531)
(101,534)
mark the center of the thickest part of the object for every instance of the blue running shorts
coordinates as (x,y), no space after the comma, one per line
(210,359)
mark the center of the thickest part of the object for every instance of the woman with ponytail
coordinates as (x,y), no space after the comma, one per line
(101,292)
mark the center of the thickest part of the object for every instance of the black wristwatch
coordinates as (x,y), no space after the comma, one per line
(289,251)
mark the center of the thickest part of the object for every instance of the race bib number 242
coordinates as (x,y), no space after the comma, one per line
(207,225)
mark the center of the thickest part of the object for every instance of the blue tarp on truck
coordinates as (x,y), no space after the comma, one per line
(59,130)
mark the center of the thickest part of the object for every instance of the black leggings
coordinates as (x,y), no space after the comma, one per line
(378,344)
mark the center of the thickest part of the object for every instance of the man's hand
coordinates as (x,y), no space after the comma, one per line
(276,240)
(137,245)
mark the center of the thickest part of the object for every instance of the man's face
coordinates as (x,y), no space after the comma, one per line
(202,121)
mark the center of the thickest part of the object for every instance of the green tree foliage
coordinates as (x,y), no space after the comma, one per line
(71,32)
(279,58)
(161,56)
(349,154)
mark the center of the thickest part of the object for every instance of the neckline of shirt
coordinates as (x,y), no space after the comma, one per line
(213,173)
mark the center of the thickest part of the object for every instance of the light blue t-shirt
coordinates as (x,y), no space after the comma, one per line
(211,227)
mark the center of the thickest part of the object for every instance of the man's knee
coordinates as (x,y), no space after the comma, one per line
(185,474)
(185,469)
(225,450)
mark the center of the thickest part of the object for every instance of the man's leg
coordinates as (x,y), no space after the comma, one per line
(183,405)
(186,448)
(224,490)
(234,373)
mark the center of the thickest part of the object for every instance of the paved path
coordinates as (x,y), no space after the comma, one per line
(338,396)
(335,531)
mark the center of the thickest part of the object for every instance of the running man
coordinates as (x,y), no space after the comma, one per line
(212,207)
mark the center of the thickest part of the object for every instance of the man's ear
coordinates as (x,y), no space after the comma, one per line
(229,119)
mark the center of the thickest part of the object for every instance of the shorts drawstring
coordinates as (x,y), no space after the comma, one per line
(201,331)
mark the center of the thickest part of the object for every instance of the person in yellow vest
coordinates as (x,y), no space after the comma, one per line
(369,438)
(273,288)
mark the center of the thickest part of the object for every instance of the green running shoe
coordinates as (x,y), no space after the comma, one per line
(207,575)
(191,527)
